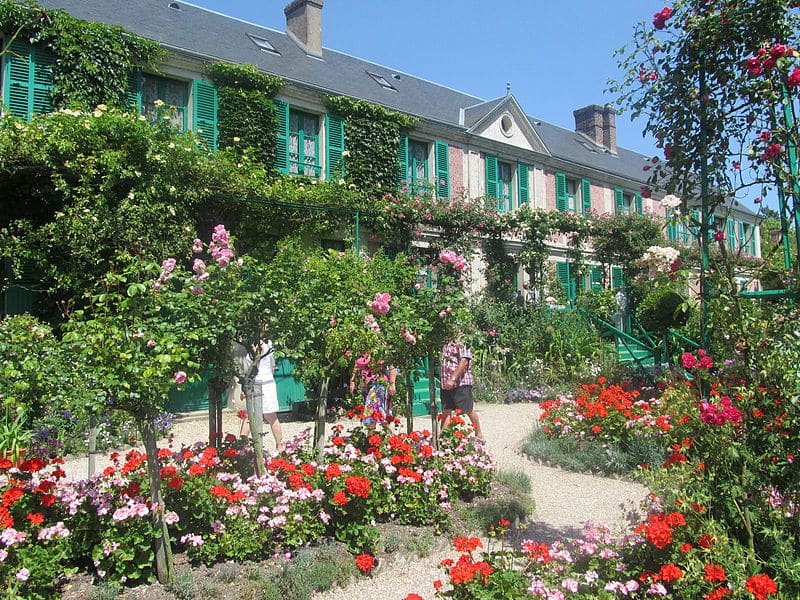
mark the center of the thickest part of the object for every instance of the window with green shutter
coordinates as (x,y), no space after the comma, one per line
(586,196)
(596,277)
(616,278)
(491,175)
(740,226)
(282,136)
(172,93)
(442,170)
(695,220)
(403,179)
(334,154)
(564,275)
(562,200)
(672,231)
(619,202)
(637,199)
(27,79)
(731,234)
(417,166)
(204,112)
(133,91)
(522,183)
(303,143)
(505,176)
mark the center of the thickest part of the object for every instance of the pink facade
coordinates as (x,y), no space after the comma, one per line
(456,159)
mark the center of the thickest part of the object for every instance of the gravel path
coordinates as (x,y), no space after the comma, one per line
(564,500)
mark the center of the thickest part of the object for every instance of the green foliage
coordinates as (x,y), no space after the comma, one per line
(622,240)
(93,60)
(373,136)
(527,346)
(247,117)
(311,571)
(663,308)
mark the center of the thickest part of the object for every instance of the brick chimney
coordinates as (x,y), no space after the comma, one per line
(598,123)
(304,24)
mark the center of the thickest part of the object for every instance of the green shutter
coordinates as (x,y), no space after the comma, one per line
(334,136)
(638,201)
(619,201)
(402,159)
(28,79)
(672,231)
(442,170)
(586,195)
(204,112)
(752,240)
(695,219)
(133,91)
(740,225)
(522,184)
(616,277)
(561,192)
(596,277)
(565,279)
(491,176)
(731,234)
(282,136)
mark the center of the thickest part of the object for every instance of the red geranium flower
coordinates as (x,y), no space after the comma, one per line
(714,573)
(340,498)
(358,486)
(175,483)
(761,586)
(670,572)
(35,518)
(465,544)
(365,562)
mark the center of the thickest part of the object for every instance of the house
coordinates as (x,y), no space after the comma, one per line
(462,145)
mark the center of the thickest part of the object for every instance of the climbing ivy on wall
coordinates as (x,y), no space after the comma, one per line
(93,60)
(247,117)
(372,138)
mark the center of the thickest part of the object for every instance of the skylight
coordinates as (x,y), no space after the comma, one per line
(263,44)
(382,81)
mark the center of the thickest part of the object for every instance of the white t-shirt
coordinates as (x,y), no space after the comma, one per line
(265,365)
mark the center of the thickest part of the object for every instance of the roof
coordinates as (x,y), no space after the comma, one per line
(216,37)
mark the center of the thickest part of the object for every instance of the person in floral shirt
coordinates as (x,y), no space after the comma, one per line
(457,384)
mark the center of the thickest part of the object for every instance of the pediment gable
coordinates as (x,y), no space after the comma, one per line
(503,120)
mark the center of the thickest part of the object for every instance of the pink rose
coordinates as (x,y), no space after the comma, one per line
(179,377)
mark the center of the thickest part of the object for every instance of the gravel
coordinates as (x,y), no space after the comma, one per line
(564,500)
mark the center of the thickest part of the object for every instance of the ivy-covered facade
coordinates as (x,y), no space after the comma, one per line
(309,111)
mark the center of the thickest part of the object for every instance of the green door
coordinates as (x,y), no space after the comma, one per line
(289,389)
(422,394)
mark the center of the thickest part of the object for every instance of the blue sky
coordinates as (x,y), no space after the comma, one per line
(557,54)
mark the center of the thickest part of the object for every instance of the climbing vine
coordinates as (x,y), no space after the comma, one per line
(93,60)
(246,117)
(372,135)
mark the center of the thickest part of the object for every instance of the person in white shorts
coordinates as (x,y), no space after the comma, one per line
(265,386)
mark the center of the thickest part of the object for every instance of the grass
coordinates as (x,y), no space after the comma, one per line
(510,500)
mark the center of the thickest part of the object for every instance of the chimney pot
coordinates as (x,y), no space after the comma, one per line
(304,24)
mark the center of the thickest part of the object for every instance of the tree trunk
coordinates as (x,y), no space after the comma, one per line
(92,444)
(433,408)
(319,424)
(409,403)
(161,543)
(216,387)
(255,416)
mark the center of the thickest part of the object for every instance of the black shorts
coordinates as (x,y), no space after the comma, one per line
(459,398)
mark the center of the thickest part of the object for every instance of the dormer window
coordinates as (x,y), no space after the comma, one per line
(381,81)
(263,44)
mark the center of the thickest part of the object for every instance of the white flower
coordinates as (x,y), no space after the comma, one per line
(671,201)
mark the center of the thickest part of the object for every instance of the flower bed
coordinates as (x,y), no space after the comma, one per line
(216,511)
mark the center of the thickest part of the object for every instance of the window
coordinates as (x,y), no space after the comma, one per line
(171,92)
(747,239)
(678,232)
(499,177)
(417,167)
(573,194)
(27,79)
(297,149)
(303,144)
(504,178)
(626,203)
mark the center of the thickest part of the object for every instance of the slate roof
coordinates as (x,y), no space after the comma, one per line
(214,36)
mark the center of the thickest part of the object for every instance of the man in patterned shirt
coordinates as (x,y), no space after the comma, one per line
(457,384)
